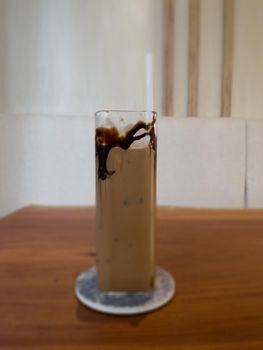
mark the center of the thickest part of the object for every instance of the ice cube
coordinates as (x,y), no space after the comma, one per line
(106,122)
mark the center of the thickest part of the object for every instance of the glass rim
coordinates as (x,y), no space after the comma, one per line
(97,113)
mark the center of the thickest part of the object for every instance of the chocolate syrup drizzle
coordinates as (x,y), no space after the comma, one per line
(107,138)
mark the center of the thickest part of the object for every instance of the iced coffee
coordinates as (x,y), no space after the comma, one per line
(125,200)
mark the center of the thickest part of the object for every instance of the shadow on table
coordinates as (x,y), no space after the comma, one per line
(85,314)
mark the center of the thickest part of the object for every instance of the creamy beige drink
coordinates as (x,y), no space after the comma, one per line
(125,215)
(125,219)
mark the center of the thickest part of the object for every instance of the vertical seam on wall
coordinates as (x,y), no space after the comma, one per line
(246,164)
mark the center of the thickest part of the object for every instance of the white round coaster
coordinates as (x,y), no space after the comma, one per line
(124,303)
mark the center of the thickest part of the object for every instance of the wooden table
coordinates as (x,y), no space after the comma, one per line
(215,256)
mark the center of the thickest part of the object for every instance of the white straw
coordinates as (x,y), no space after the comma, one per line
(149,80)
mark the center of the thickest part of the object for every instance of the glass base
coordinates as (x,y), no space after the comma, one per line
(124,303)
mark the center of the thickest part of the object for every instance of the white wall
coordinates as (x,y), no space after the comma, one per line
(62,58)
(77,56)
(248,58)
(3,51)
(46,160)
(210,65)
(210,60)
(180,91)
(51,160)
(247,102)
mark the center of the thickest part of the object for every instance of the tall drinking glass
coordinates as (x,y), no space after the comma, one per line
(125,199)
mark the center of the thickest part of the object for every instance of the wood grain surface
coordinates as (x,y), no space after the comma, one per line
(169,35)
(194,49)
(215,256)
(228,50)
